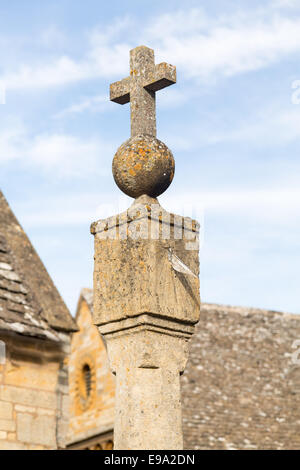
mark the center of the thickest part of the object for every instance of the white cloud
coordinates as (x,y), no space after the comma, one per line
(98,103)
(173,97)
(270,126)
(59,155)
(203,47)
(266,205)
(285,3)
(229,45)
(66,155)
(57,72)
(77,209)
(103,58)
(11,142)
(52,37)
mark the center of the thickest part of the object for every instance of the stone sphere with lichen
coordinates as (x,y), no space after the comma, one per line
(143,165)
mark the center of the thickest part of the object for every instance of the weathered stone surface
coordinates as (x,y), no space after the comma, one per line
(143,165)
(145,79)
(63,404)
(139,274)
(90,416)
(7,445)
(31,385)
(146,304)
(7,425)
(28,396)
(147,358)
(36,429)
(6,410)
(25,409)
(40,379)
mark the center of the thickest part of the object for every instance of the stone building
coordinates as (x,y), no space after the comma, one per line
(91,384)
(240,389)
(35,327)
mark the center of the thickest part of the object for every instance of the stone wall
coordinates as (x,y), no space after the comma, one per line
(31,413)
(92,385)
(241,389)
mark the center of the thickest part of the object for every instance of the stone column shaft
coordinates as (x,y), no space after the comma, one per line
(148,404)
(148,409)
(146,302)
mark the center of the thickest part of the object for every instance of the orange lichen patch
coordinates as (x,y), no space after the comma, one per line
(142,152)
(138,166)
(143,266)
(143,165)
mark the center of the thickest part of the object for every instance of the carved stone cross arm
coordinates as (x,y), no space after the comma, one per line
(139,89)
(120,91)
(164,75)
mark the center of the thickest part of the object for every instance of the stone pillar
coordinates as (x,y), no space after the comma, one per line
(146,303)
(146,276)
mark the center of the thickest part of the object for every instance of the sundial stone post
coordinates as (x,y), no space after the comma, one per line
(146,274)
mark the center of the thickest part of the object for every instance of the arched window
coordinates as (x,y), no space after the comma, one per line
(87,378)
(85,383)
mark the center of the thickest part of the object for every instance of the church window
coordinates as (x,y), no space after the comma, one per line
(87,377)
(85,383)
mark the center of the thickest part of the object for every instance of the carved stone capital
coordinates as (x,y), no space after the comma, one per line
(147,342)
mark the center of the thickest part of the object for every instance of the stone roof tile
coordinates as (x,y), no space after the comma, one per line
(29,302)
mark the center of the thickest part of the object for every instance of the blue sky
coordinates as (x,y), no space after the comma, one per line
(232,122)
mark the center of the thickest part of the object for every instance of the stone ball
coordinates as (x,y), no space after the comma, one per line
(143,165)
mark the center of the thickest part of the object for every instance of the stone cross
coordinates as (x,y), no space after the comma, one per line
(146,274)
(145,79)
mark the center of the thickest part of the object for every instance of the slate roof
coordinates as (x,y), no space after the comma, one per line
(29,302)
(240,388)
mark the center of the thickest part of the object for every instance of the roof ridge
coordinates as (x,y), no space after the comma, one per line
(21,269)
(242,309)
